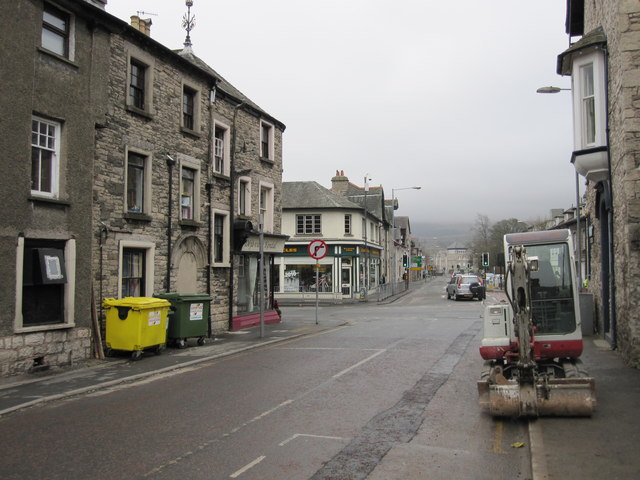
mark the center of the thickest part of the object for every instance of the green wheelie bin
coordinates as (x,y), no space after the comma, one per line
(189,317)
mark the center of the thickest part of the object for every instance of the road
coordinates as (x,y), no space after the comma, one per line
(388,395)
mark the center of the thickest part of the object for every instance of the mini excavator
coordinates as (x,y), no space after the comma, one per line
(531,345)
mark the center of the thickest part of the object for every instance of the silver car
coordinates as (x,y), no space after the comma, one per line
(466,286)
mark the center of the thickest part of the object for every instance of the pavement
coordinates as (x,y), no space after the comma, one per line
(558,445)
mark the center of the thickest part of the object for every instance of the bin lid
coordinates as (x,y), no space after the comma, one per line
(138,303)
(175,297)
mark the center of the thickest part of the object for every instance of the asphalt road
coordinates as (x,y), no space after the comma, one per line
(390,395)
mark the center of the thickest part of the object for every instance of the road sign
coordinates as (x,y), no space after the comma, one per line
(317,249)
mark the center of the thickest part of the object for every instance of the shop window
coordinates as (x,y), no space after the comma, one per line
(302,278)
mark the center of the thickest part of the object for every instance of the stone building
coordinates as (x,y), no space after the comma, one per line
(53,100)
(605,72)
(186,166)
(148,173)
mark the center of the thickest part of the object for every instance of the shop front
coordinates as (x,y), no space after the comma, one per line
(341,274)
(247,267)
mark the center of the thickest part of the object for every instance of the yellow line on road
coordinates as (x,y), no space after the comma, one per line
(497,439)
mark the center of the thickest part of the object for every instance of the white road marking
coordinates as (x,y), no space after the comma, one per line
(290,439)
(247,467)
(362,362)
(331,348)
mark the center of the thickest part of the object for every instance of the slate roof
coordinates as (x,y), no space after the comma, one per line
(308,195)
(374,199)
(223,85)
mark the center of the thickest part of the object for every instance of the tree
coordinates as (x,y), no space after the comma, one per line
(481,240)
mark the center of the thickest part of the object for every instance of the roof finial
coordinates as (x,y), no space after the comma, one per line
(188,23)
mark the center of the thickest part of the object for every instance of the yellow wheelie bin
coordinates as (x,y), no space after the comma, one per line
(135,324)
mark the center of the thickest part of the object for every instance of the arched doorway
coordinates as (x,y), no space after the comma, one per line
(190,259)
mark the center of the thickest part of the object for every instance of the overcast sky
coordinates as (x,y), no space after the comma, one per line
(440,94)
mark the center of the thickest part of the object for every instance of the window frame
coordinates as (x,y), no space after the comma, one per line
(137,90)
(55,157)
(595,59)
(68,295)
(309,224)
(191,163)
(223,143)
(348,228)
(194,127)
(244,194)
(66,35)
(266,145)
(266,205)
(125,278)
(226,239)
(149,264)
(143,59)
(146,183)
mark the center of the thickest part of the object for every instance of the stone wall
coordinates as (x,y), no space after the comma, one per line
(621,22)
(29,352)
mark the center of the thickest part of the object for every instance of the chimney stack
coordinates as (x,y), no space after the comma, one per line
(141,24)
(340,183)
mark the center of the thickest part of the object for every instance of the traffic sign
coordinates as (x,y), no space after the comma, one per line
(317,249)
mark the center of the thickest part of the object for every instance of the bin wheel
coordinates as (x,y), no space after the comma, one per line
(181,343)
(201,341)
(108,352)
(136,355)
(157,349)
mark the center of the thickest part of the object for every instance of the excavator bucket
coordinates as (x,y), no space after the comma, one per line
(555,397)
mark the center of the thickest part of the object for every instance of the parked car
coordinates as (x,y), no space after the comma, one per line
(466,286)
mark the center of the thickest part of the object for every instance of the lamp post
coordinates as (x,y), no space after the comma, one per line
(578,233)
(366,249)
(393,230)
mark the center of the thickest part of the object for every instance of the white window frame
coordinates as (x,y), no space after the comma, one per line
(595,58)
(136,54)
(70,33)
(348,224)
(314,224)
(247,195)
(270,141)
(149,273)
(69,289)
(226,148)
(55,161)
(226,239)
(187,161)
(267,207)
(146,207)
(196,108)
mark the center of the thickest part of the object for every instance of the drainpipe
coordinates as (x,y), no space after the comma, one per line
(209,187)
(170,164)
(232,189)
(612,267)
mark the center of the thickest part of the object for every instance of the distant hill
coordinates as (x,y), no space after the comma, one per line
(445,233)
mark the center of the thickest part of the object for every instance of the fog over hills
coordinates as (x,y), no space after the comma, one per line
(442,234)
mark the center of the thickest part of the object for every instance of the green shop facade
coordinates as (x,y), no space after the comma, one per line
(344,274)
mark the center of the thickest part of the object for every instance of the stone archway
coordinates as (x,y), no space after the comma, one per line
(189,258)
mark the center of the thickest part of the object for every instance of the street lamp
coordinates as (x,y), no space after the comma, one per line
(550,89)
(393,230)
